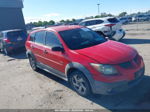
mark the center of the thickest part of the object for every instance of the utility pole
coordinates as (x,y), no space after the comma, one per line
(98,9)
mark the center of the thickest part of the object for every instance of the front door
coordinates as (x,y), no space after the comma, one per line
(54,59)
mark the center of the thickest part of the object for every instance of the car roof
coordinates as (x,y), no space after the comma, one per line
(105,18)
(63,27)
(13,30)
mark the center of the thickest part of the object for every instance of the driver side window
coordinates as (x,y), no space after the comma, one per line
(52,40)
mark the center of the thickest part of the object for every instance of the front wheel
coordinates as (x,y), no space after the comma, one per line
(80,83)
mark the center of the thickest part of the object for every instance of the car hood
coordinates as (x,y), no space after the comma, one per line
(110,52)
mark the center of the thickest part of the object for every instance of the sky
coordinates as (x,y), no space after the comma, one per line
(45,10)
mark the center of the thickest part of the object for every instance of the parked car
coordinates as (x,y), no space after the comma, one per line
(148,17)
(140,18)
(125,20)
(88,61)
(11,40)
(109,27)
(37,28)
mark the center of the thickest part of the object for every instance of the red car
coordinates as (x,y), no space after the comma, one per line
(88,61)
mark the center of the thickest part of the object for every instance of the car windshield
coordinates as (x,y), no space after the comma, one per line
(81,38)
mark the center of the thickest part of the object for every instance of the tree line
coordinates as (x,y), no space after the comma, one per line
(51,22)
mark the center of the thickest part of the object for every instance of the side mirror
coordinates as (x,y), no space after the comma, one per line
(58,48)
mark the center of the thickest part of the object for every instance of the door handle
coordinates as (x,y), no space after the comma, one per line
(32,46)
(45,52)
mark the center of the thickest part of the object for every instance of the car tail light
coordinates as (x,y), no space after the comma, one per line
(110,25)
(7,40)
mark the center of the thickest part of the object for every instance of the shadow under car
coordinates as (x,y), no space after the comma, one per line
(131,99)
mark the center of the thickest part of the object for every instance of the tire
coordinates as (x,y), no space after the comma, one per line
(1,50)
(122,36)
(33,63)
(80,84)
(5,51)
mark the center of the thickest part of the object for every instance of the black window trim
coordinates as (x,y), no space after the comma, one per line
(33,37)
(44,37)
(56,36)
(96,20)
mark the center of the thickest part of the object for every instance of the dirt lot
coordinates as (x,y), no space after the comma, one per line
(22,88)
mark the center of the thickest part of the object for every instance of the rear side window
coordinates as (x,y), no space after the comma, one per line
(94,22)
(113,20)
(89,23)
(52,40)
(32,37)
(99,21)
(40,37)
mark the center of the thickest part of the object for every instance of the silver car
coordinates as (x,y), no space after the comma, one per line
(109,27)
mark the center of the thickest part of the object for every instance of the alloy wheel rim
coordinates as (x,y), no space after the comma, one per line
(79,84)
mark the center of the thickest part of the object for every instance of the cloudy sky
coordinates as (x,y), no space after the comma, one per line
(45,10)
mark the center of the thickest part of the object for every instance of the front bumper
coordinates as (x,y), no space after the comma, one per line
(117,87)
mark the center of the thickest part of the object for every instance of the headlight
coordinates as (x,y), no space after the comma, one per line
(105,69)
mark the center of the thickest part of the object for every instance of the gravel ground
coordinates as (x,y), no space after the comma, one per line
(22,88)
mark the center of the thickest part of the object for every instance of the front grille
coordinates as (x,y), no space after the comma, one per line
(126,65)
(132,63)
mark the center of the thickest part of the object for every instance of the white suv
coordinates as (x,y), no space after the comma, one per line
(109,27)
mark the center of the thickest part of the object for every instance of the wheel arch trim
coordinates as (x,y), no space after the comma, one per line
(80,67)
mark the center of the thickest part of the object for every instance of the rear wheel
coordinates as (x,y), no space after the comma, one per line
(33,63)
(80,83)
(1,50)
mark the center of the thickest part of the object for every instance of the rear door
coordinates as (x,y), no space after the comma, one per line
(37,46)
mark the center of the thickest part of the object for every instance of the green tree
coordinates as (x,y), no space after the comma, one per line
(35,24)
(39,23)
(73,20)
(97,16)
(51,22)
(110,15)
(62,21)
(122,14)
(67,21)
(44,23)
(104,14)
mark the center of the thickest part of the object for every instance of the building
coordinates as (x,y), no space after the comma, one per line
(11,16)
